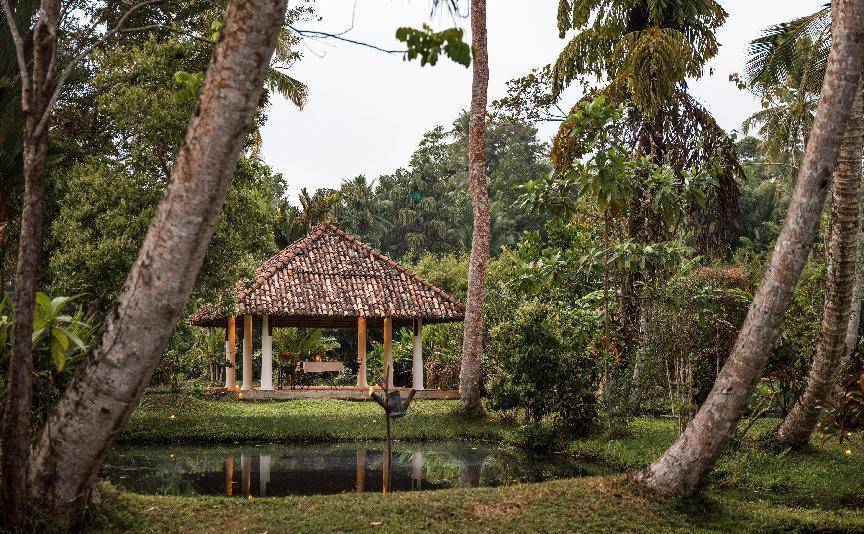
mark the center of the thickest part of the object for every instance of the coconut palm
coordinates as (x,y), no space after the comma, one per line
(358,210)
(785,67)
(472,341)
(790,58)
(644,51)
(683,467)
(277,79)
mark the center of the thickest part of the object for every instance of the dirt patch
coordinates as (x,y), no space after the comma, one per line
(505,508)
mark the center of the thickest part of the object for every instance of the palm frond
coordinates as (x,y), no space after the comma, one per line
(776,57)
(292,89)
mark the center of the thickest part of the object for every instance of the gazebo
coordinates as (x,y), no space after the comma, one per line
(330,279)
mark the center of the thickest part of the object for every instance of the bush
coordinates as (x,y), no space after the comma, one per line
(542,371)
(538,437)
(694,321)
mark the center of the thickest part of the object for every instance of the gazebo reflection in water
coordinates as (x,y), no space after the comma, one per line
(259,476)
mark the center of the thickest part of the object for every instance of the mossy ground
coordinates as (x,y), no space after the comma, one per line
(753,489)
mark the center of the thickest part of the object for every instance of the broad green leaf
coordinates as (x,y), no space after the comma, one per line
(59,347)
(58,303)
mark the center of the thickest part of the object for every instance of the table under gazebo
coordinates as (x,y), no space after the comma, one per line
(328,279)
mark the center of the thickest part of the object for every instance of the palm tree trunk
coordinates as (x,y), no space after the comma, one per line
(472,344)
(70,448)
(851,336)
(796,428)
(35,96)
(683,466)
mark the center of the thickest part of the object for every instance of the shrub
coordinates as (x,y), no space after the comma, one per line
(542,371)
(538,437)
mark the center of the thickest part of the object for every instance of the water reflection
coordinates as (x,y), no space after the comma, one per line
(277,470)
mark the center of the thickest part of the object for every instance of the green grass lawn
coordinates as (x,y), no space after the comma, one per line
(752,490)
(167,418)
(594,504)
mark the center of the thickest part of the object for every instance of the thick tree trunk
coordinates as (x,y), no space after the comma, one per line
(19,387)
(796,428)
(472,344)
(35,95)
(70,449)
(683,466)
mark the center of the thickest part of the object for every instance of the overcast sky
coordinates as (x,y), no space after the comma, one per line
(367,110)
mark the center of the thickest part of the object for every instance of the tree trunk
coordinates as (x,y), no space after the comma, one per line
(639,363)
(70,448)
(854,319)
(472,344)
(851,337)
(35,95)
(796,428)
(19,387)
(683,466)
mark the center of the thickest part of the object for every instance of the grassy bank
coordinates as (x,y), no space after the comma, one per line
(595,504)
(167,418)
(753,488)
(827,476)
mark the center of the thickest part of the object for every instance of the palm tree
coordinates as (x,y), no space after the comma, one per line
(304,342)
(87,417)
(358,210)
(682,468)
(791,57)
(785,68)
(277,79)
(472,341)
(643,51)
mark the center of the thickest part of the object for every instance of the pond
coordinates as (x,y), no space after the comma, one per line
(307,469)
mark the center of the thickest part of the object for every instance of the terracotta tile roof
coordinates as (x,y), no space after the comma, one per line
(329,278)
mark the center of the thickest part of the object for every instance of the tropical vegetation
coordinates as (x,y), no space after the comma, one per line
(677,304)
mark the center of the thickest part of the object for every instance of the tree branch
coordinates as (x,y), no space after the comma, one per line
(315,34)
(61,80)
(168,29)
(19,53)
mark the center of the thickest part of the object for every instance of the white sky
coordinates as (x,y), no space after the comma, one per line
(367,110)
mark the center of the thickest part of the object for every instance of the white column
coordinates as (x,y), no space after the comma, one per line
(247,353)
(361,470)
(417,467)
(263,474)
(417,364)
(266,355)
(388,350)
